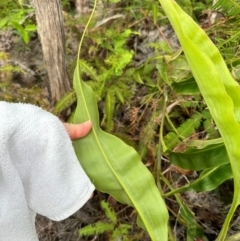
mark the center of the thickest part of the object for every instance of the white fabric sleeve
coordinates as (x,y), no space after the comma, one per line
(37,154)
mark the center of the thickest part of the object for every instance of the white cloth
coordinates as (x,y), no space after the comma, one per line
(39,171)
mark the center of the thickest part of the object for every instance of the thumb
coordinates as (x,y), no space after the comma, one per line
(76,131)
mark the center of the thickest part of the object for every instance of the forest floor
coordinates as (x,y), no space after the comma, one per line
(27,82)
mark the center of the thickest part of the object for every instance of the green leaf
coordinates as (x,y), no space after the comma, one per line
(231,7)
(119,94)
(97,228)
(65,102)
(155,12)
(208,180)
(187,87)
(200,144)
(25,36)
(200,159)
(162,69)
(116,168)
(109,109)
(137,77)
(88,70)
(179,69)
(110,214)
(220,91)
(121,231)
(3,22)
(185,130)
(21,30)
(31,27)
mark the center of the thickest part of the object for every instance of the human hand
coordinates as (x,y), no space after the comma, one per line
(77,131)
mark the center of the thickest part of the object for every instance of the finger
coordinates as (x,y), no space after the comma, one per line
(76,131)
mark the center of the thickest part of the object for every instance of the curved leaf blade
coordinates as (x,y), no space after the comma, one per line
(208,180)
(187,87)
(116,168)
(200,159)
(220,91)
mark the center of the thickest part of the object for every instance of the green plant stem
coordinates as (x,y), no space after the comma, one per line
(164,110)
(84,32)
(165,180)
(160,145)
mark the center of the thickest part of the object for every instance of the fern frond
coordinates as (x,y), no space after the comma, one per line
(233,38)
(110,101)
(105,73)
(65,102)
(171,140)
(119,94)
(138,77)
(88,70)
(123,91)
(130,71)
(109,212)
(125,228)
(120,231)
(97,228)
(94,86)
(230,7)
(185,130)
(118,60)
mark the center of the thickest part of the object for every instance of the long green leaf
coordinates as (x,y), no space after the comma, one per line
(199,144)
(116,168)
(200,159)
(209,179)
(220,91)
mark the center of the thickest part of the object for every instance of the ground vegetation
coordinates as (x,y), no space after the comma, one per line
(148,96)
